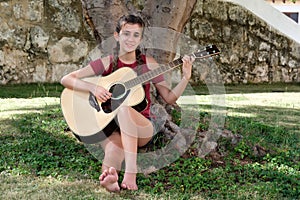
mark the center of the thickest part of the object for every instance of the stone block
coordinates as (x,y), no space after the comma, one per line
(59,70)
(67,50)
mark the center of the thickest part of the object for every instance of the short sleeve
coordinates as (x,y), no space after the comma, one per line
(97,66)
(158,79)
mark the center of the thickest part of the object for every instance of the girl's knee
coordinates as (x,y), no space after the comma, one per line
(124,111)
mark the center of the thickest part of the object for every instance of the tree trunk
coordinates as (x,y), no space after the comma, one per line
(172,14)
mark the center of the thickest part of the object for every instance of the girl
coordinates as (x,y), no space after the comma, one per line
(135,128)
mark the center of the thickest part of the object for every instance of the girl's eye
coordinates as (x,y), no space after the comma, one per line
(127,34)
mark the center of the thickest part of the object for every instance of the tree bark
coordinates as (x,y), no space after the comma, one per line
(102,15)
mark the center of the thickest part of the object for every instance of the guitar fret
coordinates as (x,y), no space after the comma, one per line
(165,68)
(136,81)
(160,70)
(171,64)
(139,79)
(129,84)
(143,77)
(147,76)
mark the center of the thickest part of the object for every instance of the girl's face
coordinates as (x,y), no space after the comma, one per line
(129,37)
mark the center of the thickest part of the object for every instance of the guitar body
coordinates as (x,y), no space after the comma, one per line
(90,120)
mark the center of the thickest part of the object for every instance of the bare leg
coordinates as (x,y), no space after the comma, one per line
(112,162)
(136,131)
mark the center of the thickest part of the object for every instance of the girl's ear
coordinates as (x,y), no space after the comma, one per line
(116,35)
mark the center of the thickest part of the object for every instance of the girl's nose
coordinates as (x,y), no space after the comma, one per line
(131,38)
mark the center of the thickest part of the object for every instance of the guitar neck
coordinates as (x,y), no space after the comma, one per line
(207,52)
(153,73)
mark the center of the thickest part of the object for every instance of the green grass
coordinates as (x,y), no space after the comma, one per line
(254,88)
(30,90)
(40,159)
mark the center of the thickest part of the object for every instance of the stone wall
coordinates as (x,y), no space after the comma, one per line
(40,41)
(252,51)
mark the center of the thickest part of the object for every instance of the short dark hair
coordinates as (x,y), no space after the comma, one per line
(129,19)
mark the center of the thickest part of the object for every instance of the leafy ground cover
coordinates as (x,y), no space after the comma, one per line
(40,159)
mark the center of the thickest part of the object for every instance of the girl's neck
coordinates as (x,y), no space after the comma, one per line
(128,58)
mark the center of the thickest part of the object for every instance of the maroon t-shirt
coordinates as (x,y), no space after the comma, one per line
(99,69)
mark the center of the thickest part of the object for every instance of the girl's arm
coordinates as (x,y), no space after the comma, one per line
(171,95)
(74,81)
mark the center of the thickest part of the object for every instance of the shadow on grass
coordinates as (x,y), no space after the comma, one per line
(43,146)
(275,126)
(274,116)
(30,109)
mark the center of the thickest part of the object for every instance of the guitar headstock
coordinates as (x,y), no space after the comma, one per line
(209,51)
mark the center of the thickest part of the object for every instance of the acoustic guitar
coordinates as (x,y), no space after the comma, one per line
(90,120)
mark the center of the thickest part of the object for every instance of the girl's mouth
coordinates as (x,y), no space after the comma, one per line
(130,45)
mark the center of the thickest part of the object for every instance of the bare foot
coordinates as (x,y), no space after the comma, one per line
(129,181)
(109,180)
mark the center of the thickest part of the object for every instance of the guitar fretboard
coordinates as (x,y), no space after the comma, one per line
(153,73)
(207,52)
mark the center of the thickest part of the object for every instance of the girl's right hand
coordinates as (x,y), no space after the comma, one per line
(101,93)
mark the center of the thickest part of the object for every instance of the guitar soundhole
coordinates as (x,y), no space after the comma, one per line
(119,94)
(118,91)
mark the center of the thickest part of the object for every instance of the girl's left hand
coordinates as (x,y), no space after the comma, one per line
(187,66)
